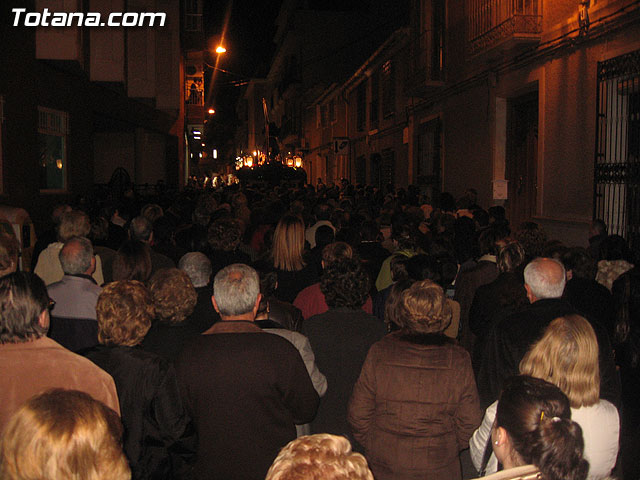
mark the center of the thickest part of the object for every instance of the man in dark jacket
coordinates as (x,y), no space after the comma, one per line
(511,338)
(244,388)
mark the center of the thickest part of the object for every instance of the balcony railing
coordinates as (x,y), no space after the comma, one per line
(495,22)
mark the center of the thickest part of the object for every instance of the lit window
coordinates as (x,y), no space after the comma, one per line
(53,128)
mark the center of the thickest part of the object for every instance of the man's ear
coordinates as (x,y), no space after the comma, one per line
(257,305)
(44,319)
(530,295)
(215,305)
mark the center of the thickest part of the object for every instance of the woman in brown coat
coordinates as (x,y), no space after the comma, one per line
(415,404)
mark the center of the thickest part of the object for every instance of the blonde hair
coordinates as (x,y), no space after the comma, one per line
(319,457)
(124,312)
(74,223)
(63,435)
(288,244)
(567,356)
(423,308)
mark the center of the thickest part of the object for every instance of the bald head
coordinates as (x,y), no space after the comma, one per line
(76,256)
(544,278)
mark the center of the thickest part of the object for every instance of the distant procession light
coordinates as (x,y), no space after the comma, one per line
(215,153)
(221,49)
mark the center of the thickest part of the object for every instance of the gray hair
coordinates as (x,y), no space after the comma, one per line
(546,278)
(236,289)
(198,266)
(75,256)
(141,229)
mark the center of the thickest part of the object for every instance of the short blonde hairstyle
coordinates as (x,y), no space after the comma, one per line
(288,244)
(124,312)
(319,457)
(567,356)
(63,434)
(423,308)
(73,224)
(173,295)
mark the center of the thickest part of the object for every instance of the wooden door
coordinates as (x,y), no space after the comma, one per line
(522,158)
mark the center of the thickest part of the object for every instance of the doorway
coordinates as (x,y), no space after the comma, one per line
(522,158)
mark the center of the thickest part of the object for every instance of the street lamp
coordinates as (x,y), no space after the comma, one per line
(221,49)
(211,111)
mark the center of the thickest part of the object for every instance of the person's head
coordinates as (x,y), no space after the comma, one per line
(345,283)
(324,235)
(288,244)
(614,247)
(399,267)
(124,312)
(544,278)
(63,434)
(579,263)
(322,211)
(225,234)
(391,306)
(76,256)
(23,303)
(73,223)
(598,227)
(236,291)
(510,257)
(173,295)
(423,309)
(9,249)
(336,251)
(424,267)
(198,266)
(488,241)
(151,212)
(319,457)
(405,235)
(141,229)
(567,356)
(132,261)
(532,238)
(533,426)
(370,231)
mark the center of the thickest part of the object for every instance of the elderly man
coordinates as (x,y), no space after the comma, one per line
(244,388)
(511,338)
(77,293)
(29,361)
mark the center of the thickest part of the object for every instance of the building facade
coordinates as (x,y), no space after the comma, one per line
(81,102)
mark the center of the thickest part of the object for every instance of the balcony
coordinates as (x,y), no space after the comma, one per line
(426,74)
(497,26)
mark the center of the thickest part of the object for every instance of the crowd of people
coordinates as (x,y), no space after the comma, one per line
(337,332)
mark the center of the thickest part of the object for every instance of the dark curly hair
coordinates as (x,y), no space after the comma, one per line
(345,283)
(225,234)
(537,417)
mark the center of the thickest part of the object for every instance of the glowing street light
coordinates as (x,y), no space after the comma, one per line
(221,49)
(211,111)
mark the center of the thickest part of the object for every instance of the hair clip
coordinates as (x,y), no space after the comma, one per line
(556,419)
(542,415)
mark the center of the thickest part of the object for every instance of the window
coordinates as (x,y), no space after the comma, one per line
(361,106)
(375,101)
(388,89)
(617,162)
(53,128)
